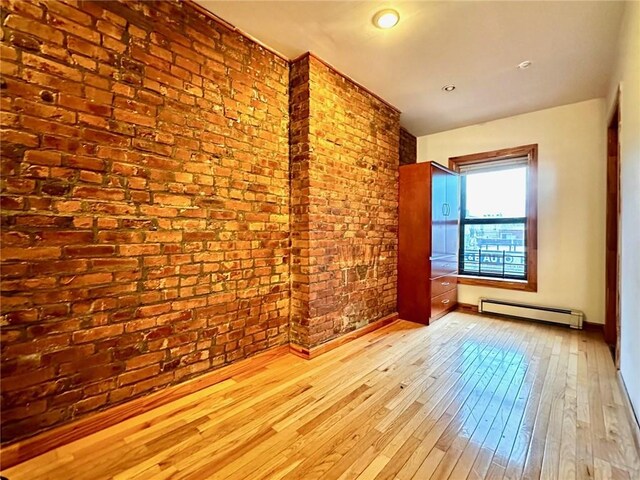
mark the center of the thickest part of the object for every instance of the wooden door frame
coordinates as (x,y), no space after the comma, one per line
(612,266)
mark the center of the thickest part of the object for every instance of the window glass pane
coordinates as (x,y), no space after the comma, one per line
(494,249)
(497,194)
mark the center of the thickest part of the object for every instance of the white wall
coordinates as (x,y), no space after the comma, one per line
(571,199)
(628,77)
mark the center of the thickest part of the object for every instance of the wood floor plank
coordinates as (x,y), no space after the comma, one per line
(540,422)
(447,407)
(387,368)
(470,397)
(386,447)
(551,458)
(510,450)
(567,451)
(459,432)
(503,435)
(616,419)
(501,406)
(584,449)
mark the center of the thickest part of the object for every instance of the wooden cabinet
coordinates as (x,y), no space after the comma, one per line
(428,242)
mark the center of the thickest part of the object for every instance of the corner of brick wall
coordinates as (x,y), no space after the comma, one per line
(349,260)
(299,152)
(408,147)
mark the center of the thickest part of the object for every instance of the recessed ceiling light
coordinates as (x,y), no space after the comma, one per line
(525,64)
(449,88)
(386,18)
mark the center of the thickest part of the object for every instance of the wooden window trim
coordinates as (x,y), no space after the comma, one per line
(531,152)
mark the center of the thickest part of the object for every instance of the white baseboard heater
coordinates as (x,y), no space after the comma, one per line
(572,318)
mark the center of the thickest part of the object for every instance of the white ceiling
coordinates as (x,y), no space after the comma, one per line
(475,45)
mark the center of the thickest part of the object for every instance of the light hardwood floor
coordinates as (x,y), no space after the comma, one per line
(468,397)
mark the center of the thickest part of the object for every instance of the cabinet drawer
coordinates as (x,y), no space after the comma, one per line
(444,265)
(443,302)
(443,284)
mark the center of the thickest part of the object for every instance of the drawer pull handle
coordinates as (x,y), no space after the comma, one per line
(445,301)
(445,284)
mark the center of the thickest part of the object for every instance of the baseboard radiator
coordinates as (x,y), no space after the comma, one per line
(563,316)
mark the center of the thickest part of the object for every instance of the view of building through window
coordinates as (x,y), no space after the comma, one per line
(493,223)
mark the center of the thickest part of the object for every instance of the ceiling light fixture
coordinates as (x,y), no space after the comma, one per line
(449,88)
(386,18)
(525,64)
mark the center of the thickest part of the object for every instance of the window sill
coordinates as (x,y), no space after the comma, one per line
(522,285)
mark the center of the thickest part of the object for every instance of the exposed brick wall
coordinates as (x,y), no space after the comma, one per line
(408,147)
(300,151)
(145,205)
(344,201)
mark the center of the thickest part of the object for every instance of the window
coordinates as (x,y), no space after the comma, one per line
(498,220)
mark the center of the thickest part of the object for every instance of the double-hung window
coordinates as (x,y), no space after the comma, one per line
(498,244)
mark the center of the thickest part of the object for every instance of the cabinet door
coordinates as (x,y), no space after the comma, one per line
(452,210)
(438,212)
(414,215)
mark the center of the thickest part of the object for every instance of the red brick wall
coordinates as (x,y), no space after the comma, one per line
(300,151)
(145,208)
(344,204)
(408,147)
